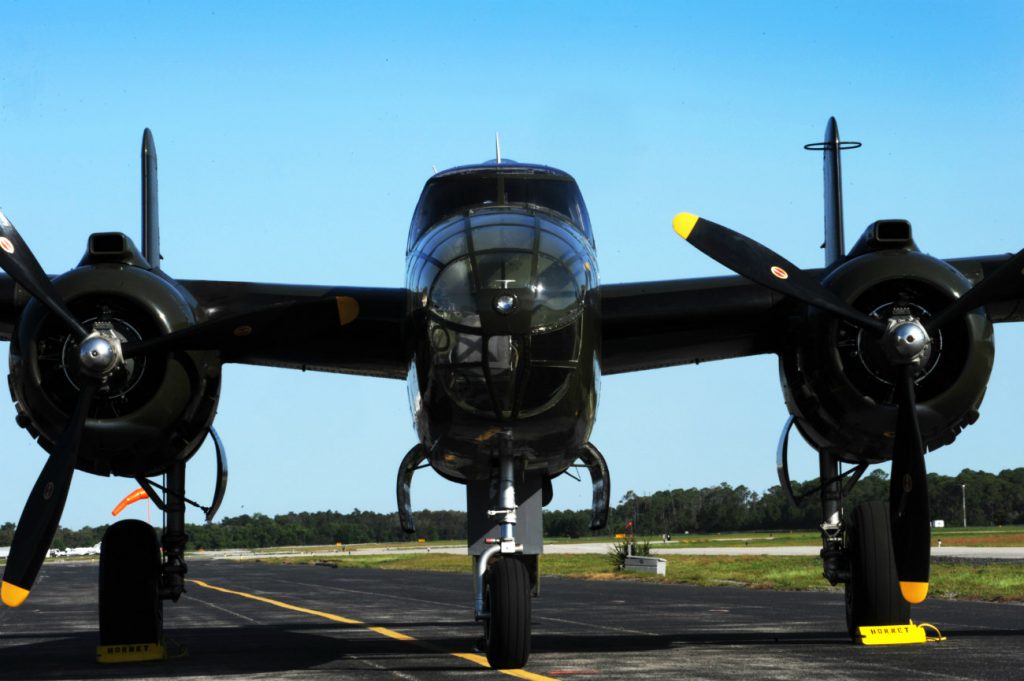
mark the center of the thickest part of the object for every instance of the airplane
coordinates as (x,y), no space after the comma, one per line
(502,333)
(93,550)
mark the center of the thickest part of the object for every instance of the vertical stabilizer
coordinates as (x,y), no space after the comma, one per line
(150,204)
(835,248)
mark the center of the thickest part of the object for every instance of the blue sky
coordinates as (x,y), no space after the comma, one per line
(293,145)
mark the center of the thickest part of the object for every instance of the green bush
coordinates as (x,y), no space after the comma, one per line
(627,547)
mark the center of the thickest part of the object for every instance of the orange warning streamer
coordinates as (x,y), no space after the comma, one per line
(137,495)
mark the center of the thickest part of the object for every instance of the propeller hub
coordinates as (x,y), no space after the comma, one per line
(907,342)
(100,353)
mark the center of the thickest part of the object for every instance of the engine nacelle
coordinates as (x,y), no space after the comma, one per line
(840,389)
(153,411)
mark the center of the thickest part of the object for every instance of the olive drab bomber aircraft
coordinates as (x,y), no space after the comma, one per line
(502,333)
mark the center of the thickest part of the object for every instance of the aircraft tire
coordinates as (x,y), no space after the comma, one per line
(873,593)
(507,631)
(131,610)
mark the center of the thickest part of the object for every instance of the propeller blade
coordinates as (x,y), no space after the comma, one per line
(218,333)
(42,511)
(746,257)
(980,294)
(209,335)
(17,260)
(908,495)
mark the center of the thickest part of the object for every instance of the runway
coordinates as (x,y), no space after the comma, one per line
(254,620)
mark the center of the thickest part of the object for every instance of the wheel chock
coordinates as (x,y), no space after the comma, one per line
(138,652)
(130,652)
(898,634)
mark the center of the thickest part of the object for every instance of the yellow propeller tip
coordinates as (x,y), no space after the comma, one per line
(684,224)
(12,595)
(914,592)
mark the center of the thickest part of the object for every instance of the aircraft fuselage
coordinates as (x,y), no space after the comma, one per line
(503,283)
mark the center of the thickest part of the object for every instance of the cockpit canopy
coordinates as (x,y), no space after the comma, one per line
(458,190)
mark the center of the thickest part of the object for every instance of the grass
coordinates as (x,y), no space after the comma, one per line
(986,582)
(950,536)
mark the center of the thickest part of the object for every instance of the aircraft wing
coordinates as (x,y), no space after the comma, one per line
(340,329)
(648,325)
(664,323)
(297,327)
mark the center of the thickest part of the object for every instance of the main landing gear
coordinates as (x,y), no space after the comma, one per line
(856,547)
(131,610)
(857,552)
(135,581)
(872,591)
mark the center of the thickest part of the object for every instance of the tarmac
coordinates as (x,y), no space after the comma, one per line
(937,552)
(246,620)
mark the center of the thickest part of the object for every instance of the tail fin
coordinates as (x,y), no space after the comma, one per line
(150,204)
(835,248)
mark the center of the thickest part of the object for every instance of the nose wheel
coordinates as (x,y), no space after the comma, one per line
(507,600)
(503,583)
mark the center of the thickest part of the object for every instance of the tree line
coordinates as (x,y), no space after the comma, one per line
(991,500)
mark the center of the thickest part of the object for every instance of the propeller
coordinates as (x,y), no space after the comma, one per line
(906,343)
(981,293)
(18,261)
(764,266)
(98,355)
(42,511)
(908,494)
(219,332)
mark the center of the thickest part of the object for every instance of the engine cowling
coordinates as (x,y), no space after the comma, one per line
(840,388)
(155,409)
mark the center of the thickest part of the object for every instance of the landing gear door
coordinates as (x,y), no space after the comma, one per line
(482,495)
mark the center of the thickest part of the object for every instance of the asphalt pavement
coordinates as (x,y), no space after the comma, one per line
(244,620)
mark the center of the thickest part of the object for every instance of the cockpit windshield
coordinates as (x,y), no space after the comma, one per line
(529,187)
(503,291)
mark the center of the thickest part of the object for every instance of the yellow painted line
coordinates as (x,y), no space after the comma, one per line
(286,606)
(383,631)
(391,633)
(518,673)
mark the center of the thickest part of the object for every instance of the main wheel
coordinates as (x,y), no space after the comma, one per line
(131,610)
(507,598)
(873,593)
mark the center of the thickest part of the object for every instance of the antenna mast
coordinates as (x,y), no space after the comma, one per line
(835,248)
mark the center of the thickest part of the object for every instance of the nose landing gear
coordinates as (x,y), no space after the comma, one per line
(503,583)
